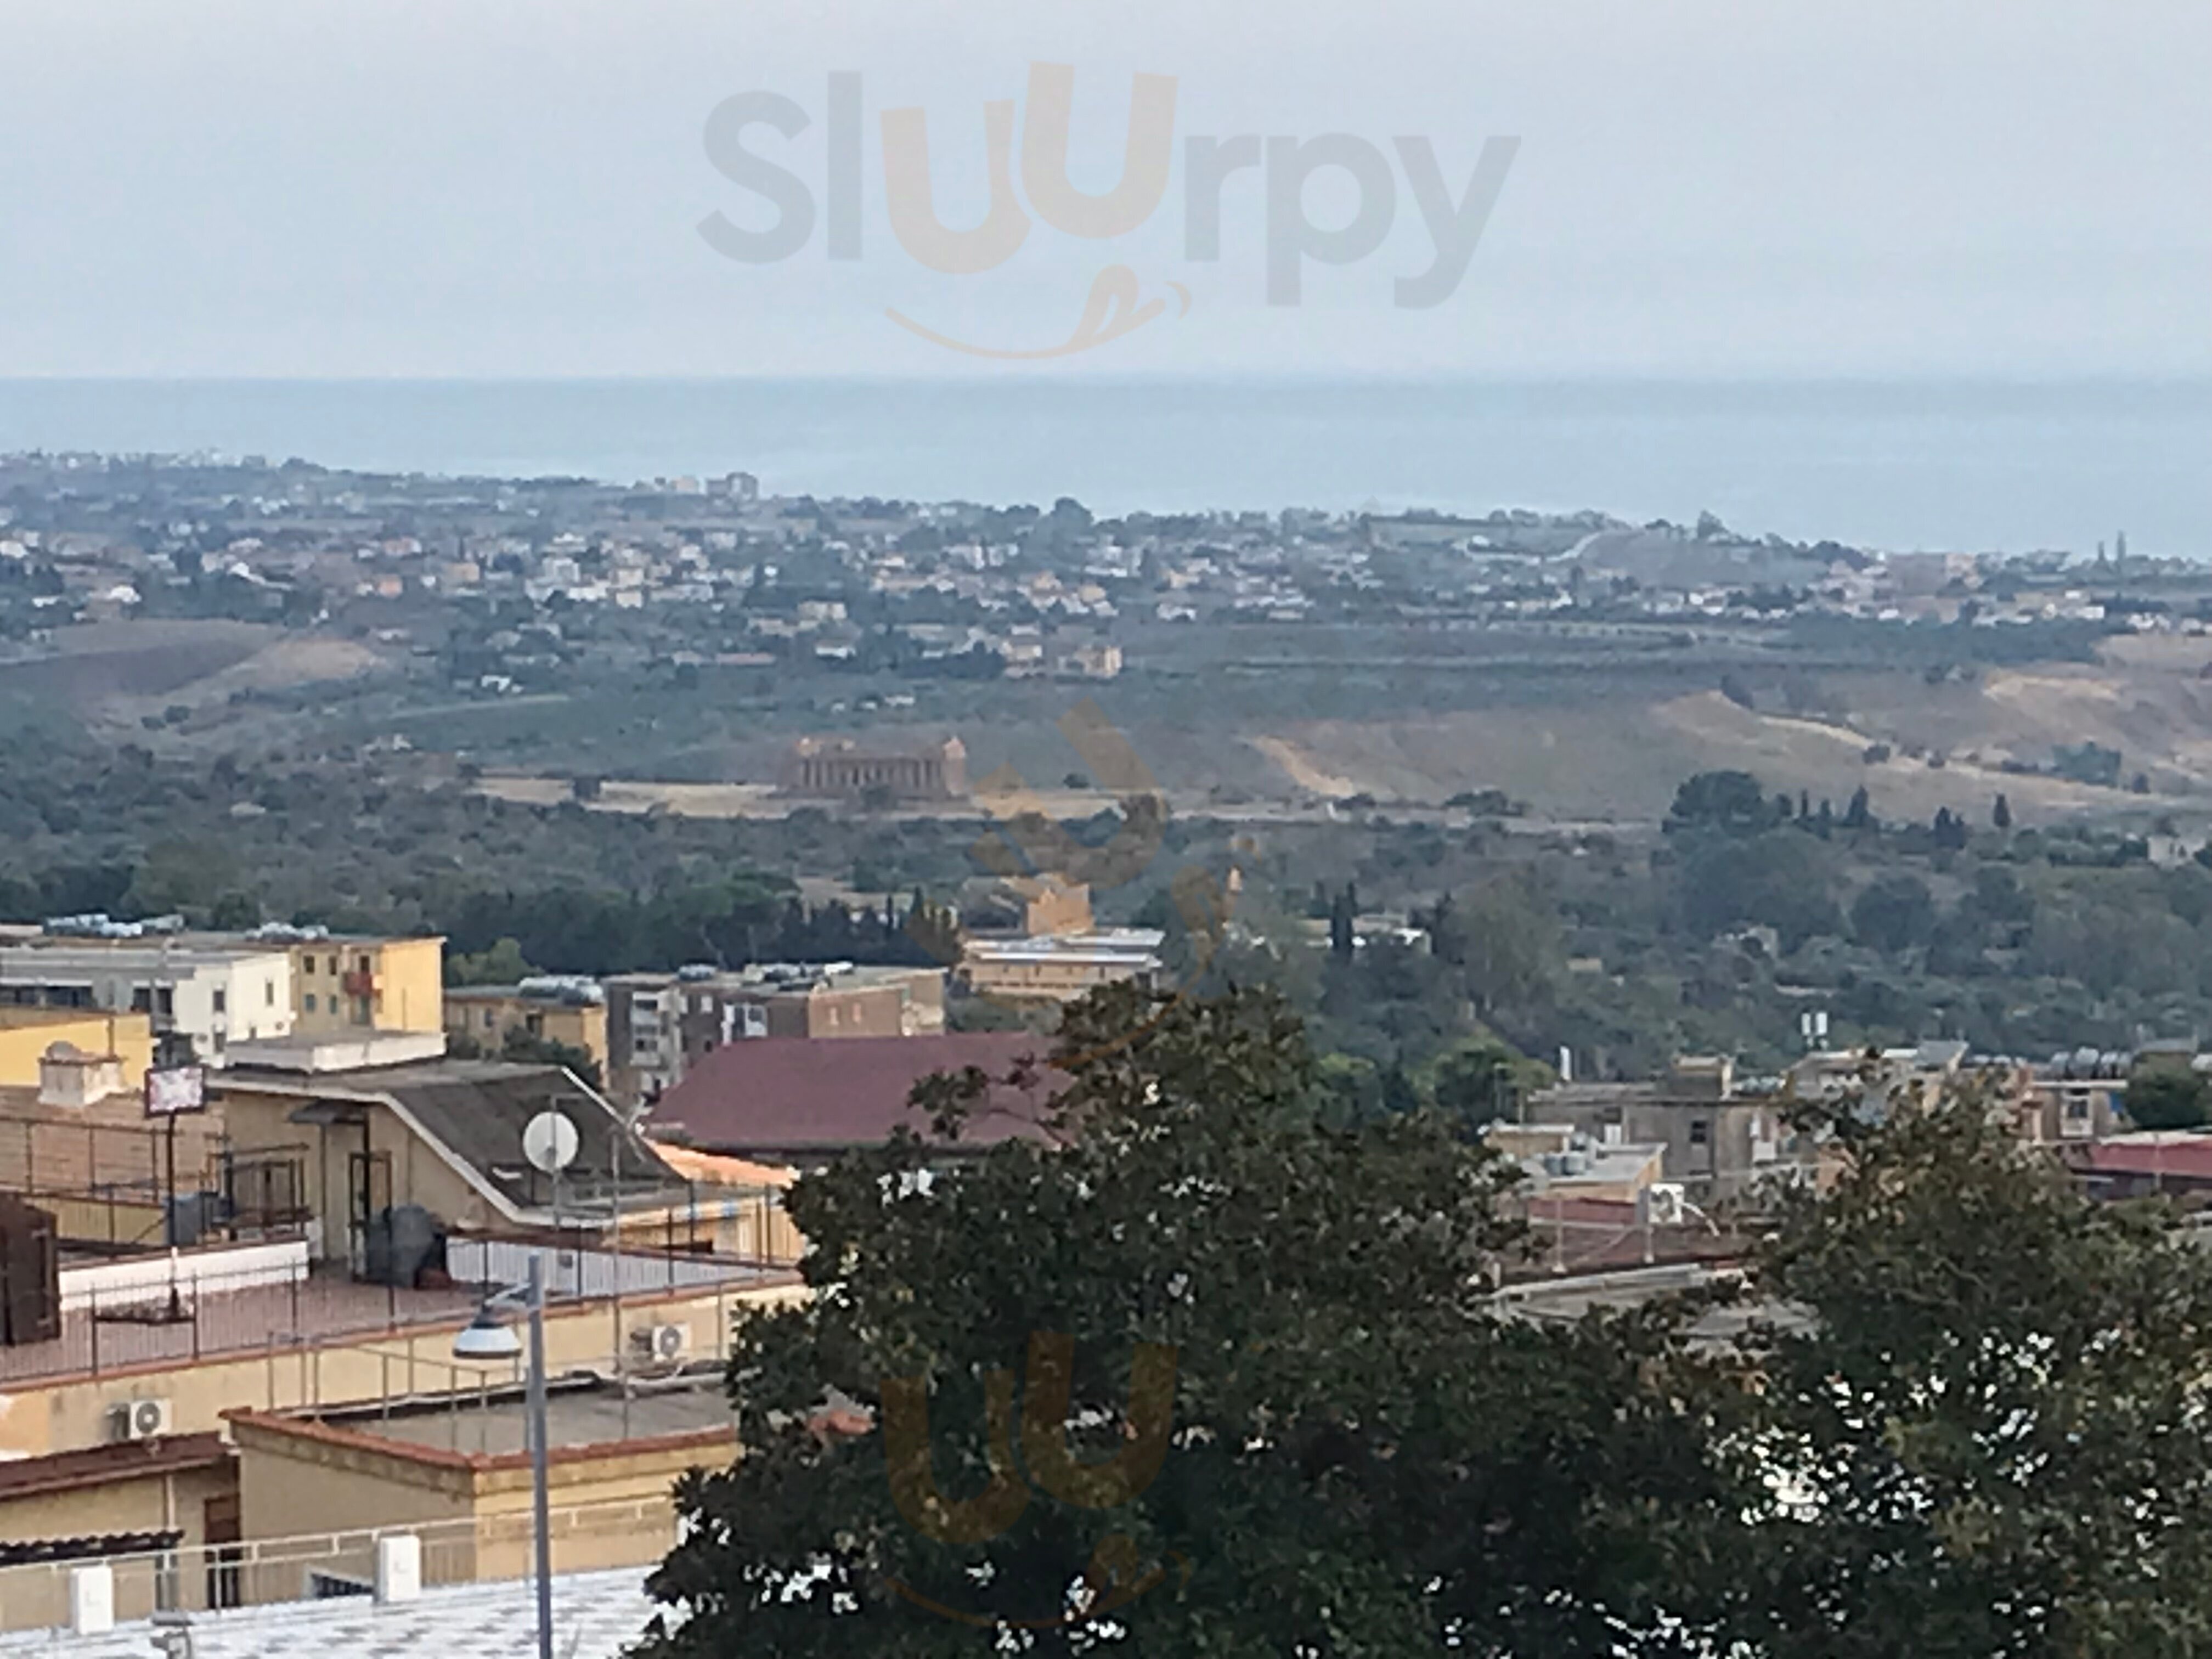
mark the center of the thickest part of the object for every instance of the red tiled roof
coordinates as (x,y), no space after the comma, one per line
(127,1460)
(2191,1158)
(795,1096)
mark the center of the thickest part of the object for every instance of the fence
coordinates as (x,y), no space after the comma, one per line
(110,1183)
(262,1572)
(574,1273)
(150,1276)
(175,1321)
(270,1311)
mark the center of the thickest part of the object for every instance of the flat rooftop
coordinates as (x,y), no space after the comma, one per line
(596,1615)
(582,1413)
(227,1324)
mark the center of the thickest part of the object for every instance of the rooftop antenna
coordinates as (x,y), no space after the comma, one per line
(550,1142)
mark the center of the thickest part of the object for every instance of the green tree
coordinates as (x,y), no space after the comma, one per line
(1504,937)
(525,1048)
(1894,913)
(1360,1455)
(1981,1429)
(1342,939)
(2001,814)
(235,912)
(1348,1090)
(1783,879)
(1734,801)
(502,965)
(2167,1100)
(1478,1079)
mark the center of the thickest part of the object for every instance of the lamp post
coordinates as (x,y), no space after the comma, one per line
(487,1338)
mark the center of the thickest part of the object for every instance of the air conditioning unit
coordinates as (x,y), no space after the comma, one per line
(664,1343)
(1663,1204)
(138,1420)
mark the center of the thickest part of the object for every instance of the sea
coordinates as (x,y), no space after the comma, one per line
(1976,467)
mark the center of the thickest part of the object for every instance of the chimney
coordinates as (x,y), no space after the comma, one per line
(70,1079)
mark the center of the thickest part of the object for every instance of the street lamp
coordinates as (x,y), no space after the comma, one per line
(486,1337)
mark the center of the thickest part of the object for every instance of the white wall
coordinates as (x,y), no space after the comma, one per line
(240,1267)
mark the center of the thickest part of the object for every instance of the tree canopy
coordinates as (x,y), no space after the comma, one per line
(1202,1372)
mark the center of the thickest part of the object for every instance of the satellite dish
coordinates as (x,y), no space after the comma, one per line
(548,1141)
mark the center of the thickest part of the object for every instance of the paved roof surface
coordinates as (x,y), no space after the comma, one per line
(596,1615)
(798,1095)
(232,1322)
(493,1426)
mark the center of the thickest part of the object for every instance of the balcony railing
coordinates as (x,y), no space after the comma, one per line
(311,1566)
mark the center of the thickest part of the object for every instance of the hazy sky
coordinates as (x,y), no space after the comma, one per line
(514,187)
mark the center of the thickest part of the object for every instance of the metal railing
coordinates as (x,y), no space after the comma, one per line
(305,1312)
(311,1566)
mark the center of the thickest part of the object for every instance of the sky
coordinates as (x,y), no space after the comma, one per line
(515,188)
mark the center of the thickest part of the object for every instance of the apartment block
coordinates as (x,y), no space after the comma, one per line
(568,1011)
(215,989)
(356,983)
(660,1025)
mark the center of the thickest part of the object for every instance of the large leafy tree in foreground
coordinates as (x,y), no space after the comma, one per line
(1200,1377)
(1988,1428)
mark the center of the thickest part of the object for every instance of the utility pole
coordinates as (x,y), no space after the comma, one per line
(621,1352)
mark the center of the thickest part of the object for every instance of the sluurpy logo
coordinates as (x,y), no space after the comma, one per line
(1116,1575)
(1116,305)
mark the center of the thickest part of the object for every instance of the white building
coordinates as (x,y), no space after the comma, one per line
(200,987)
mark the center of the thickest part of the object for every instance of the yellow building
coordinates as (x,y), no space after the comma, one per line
(459,1468)
(178,1493)
(565,1010)
(446,1136)
(268,1467)
(28,1035)
(1058,967)
(343,984)
(339,1350)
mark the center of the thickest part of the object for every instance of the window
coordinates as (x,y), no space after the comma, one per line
(142,1000)
(221,1002)
(308,1002)
(490,1021)
(1701,1131)
(307,966)
(268,994)
(360,964)
(334,967)
(165,1002)
(226,1576)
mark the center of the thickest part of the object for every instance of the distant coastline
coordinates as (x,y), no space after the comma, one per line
(1969,466)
